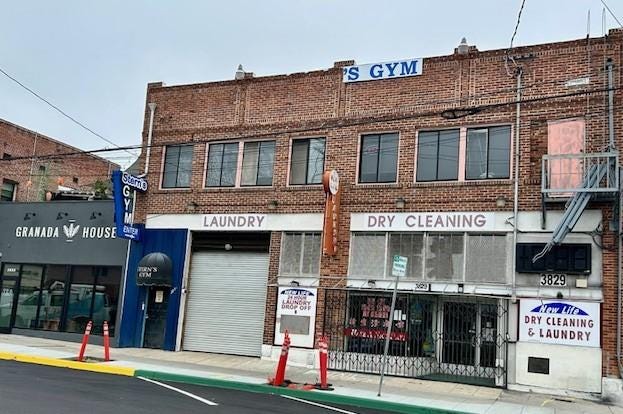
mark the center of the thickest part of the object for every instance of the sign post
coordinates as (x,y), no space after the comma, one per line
(399,269)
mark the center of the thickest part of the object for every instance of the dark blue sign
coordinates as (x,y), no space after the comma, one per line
(123,186)
(559,308)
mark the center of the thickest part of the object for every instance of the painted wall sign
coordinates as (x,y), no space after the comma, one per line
(296,312)
(382,70)
(429,221)
(124,186)
(220,222)
(559,322)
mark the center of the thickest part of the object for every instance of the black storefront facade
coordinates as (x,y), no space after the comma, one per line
(61,265)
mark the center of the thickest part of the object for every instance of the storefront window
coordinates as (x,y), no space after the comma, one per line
(52,297)
(367,256)
(300,254)
(80,298)
(106,299)
(411,246)
(29,295)
(479,266)
(444,257)
(412,331)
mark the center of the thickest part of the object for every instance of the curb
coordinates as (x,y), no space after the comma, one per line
(318,396)
(63,363)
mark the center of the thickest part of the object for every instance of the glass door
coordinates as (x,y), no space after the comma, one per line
(8,294)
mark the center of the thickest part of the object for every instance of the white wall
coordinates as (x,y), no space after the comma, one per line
(571,368)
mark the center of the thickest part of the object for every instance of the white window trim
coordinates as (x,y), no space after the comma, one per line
(386,277)
(358,166)
(324,162)
(281,251)
(239,160)
(463,153)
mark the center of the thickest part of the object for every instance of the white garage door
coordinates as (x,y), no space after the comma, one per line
(226,303)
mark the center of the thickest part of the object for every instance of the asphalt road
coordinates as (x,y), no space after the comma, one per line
(36,389)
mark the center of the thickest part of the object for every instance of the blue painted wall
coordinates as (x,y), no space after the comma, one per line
(173,244)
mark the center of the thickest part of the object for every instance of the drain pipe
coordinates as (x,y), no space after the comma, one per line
(516,189)
(152,110)
(611,147)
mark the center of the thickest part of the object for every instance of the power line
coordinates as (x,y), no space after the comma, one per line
(327,124)
(517,24)
(611,13)
(59,110)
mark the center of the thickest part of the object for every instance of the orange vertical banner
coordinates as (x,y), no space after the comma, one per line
(331,184)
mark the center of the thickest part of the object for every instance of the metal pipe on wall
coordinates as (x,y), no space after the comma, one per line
(516,186)
(152,110)
(611,147)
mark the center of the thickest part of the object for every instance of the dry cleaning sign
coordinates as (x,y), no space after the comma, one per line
(559,322)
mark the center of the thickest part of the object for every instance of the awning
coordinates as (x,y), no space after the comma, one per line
(155,269)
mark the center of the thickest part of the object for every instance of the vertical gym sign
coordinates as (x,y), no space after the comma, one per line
(125,187)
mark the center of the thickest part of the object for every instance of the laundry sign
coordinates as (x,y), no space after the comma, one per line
(559,322)
(296,313)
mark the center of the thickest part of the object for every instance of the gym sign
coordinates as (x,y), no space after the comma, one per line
(384,70)
(124,189)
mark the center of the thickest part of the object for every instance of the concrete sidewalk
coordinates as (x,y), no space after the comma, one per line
(254,371)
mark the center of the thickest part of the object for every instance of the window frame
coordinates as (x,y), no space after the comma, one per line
(488,128)
(300,259)
(14,189)
(257,166)
(291,159)
(164,164)
(239,164)
(387,277)
(458,155)
(360,160)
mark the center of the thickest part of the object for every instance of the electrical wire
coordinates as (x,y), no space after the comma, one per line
(612,13)
(59,110)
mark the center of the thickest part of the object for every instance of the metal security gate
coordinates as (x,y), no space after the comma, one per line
(226,303)
(447,338)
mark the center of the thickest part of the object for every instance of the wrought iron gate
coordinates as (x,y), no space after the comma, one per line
(449,338)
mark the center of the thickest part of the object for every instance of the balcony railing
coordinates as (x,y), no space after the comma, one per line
(562,175)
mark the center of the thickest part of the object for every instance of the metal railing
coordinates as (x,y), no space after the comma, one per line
(433,337)
(565,174)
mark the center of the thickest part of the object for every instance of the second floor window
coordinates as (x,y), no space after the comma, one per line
(438,155)
(379,158)
(488,153)
(222,165)
(9,188)
(225,169)
(178,162)
(307,161)
(257,163)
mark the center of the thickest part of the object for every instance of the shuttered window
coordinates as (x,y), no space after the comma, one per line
(300,254)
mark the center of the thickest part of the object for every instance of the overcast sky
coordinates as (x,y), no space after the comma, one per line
(94,58)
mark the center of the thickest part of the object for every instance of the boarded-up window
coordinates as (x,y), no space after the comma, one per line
(565,137)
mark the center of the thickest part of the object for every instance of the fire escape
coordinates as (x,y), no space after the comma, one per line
(581,178)
(598,179)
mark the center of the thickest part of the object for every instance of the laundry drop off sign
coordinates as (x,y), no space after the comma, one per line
(560,322)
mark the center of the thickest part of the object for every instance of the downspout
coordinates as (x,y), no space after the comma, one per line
(152,110)
(611,147)
(516,189)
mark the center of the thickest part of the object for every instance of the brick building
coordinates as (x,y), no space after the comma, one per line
(31,179)
(426,155)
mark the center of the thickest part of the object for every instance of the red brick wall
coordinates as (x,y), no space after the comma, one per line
(20,142)
(319,104)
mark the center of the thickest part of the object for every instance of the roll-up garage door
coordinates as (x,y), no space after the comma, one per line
(226,303)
